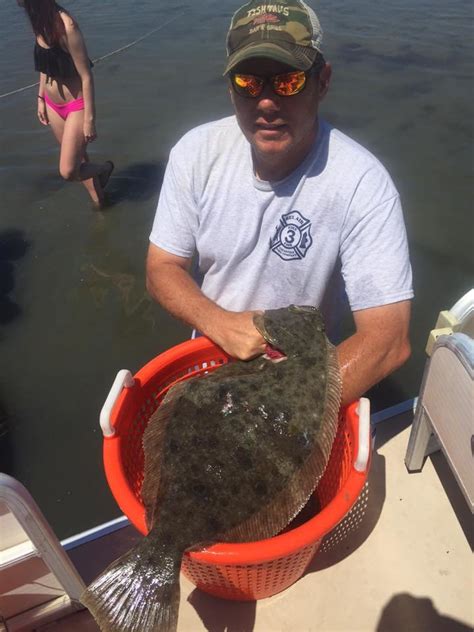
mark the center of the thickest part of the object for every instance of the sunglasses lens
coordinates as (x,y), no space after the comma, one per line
(289,84)
(247,85)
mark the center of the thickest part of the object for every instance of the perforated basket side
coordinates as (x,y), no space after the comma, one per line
(250,581)
(340,465)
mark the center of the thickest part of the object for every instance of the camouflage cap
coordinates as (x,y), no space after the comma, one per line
(287,31)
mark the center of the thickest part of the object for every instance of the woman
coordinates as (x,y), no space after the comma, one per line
(66,93)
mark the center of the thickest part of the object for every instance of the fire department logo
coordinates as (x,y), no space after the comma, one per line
(293,237)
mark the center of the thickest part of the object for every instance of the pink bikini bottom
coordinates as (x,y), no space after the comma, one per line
(64,109)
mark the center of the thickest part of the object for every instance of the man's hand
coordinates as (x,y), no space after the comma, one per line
(236,333)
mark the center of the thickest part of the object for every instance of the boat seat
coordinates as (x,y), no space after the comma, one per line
(444,416)
(460,318)
(38,582)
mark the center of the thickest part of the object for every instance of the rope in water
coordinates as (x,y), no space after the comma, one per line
(96,61)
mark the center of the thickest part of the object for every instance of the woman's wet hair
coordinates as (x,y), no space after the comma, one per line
(45,19)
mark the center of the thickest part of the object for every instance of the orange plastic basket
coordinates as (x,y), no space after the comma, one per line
(240,571)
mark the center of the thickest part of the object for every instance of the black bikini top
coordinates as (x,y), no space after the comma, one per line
(55,62)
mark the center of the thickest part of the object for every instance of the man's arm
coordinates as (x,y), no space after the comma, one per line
(379,346)
(169,282)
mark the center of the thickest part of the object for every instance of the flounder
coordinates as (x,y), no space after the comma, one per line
(232,457)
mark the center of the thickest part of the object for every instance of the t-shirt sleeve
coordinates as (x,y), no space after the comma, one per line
(374,251)
(175,223)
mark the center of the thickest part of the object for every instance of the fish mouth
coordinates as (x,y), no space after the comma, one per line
(274,354)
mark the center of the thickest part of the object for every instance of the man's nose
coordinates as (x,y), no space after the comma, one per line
(268,101)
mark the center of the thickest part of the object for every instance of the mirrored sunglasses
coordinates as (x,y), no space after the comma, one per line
(284,85)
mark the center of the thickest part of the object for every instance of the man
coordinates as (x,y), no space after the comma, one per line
(274,200)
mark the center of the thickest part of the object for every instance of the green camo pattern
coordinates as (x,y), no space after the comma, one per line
(282,21)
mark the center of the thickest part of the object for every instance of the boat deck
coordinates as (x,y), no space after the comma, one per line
(402,562)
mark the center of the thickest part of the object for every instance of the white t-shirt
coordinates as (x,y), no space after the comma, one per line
(264,245)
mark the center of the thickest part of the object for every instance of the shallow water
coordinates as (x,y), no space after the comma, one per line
(73,306)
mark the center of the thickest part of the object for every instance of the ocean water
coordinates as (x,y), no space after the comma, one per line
(73,304)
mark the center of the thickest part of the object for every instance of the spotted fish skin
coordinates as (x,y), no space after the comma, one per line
(235,455)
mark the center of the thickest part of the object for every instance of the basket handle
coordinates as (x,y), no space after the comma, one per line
(124,379)
(363,410)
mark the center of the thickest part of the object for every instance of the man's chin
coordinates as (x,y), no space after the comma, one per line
(271,146)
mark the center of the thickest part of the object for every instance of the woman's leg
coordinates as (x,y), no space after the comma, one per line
(92,185)
(57,124)
(74,163)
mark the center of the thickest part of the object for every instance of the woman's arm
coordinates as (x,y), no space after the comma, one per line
(77,49)
(42,113)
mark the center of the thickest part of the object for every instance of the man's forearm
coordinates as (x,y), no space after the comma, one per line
(364,362)
(171,285)
(174,288)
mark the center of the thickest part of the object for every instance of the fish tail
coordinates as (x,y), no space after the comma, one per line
(139,592)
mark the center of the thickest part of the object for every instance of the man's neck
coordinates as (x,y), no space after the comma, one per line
(274,171)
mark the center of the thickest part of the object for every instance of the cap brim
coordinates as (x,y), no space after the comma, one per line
(298,57)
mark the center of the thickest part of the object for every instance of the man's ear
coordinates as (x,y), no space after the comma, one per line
(324,80)
(231,92)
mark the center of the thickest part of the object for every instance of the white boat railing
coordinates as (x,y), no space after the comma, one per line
(26,535)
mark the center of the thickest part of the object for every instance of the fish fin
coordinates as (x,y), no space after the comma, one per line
(332,402)
(153,443)
(275,516)
(139,592)
(259,323)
